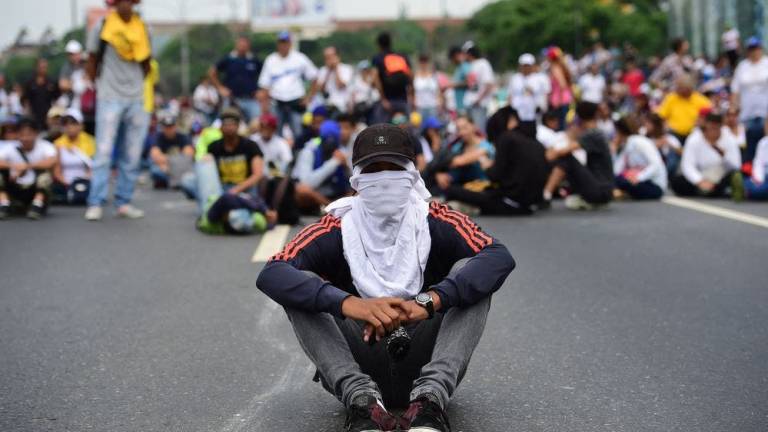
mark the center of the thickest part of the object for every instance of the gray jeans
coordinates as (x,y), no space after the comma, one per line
(347,367)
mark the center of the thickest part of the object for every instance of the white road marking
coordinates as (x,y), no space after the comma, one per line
(716,211)
(271,243)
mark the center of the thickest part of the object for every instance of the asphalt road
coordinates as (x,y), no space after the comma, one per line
(642,317)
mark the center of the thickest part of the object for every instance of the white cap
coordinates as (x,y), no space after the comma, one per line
(527,59)
(73,47)
(75,114)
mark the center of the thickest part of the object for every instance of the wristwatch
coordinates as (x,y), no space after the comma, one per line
(425,300)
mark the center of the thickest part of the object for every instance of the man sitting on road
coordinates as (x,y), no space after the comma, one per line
(383,259)
(171,155)
(592,185)
(321,169)
(710,163)
(25,172)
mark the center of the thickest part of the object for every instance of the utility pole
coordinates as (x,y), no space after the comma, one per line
(73,12)
(184,48)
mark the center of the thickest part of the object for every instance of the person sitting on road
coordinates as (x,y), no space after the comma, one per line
(591,185)
(171,155)
(681,108)
(276,150)
(710,163)
(669,146)
(471,155)
(757,184)
(518,172)
(26,173)
(383,268)
(404,122)
(639,169)
(227,179)
(321,169)
(72,173)
(311,130)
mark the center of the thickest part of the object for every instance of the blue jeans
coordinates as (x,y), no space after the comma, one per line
(755,130)
(110,115)
(205,183)
(646,190)
(250,107)
(672,161)
(288,113)
(479,116)
(756,191)
(157,174)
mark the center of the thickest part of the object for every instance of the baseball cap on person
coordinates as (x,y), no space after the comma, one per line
(73,47)
(382,140)
(74,114)
(284,36)
(167,120)
(432,123)
(268,120)
(754,42)
(230,113)
(330,129)
(527,59)
(56,111)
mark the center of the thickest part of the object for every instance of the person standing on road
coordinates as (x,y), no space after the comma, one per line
(528,92)
(283,78)
(481,84)
(749,89)
(334,82)
(119,59)
(40,93)
(386,262)
(459,79)
(394,81)
(241,71)
(427,94)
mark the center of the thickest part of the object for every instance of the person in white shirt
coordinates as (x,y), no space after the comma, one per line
(640,172)
(276,151)
(749,91)
(205,99)
(731,40)
(25,172)
(334,82)
(669,146)
(735,130)
(592,85)
(528,92)
(364,94)
(428,97)
(283,78)
(710,163)
(481,83)
(756,185)
(5,102)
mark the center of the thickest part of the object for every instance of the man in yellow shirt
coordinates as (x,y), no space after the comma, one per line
(74,135)
(681,108)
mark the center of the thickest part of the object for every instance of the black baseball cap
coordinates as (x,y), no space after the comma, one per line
(382,140)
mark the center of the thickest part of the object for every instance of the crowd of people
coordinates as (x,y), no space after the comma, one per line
(262,142)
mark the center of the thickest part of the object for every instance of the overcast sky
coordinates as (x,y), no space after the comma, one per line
(36,15)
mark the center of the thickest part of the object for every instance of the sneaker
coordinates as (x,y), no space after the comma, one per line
(129,212)
(35,212)
(425,415)
(93,213)
(5,211)
(737,187)
(576,202)
(367,414)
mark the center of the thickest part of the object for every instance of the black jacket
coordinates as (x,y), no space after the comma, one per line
(318,248)
(520,167)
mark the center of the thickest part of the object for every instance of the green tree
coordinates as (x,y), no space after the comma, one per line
(507,28)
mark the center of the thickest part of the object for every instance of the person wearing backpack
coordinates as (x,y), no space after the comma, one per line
(119,59)
(394,80)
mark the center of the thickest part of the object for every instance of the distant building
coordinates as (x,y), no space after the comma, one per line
(702,22)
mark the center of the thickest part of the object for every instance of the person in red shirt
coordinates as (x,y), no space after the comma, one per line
(633,78)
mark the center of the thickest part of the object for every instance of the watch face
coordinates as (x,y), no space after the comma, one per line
(423,298)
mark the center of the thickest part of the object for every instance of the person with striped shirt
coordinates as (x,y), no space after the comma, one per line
(387,261)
